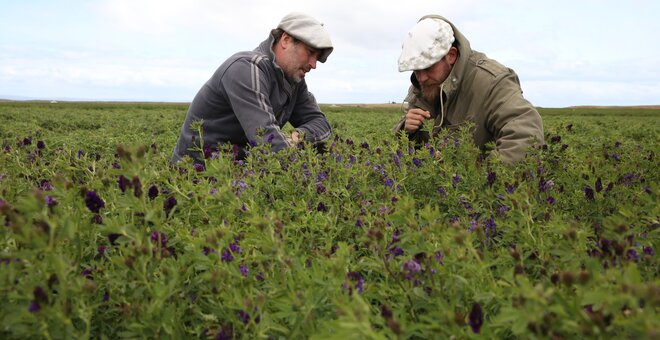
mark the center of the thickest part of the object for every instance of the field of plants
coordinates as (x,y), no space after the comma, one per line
(372,239)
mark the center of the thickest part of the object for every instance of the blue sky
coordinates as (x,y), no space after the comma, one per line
(565,52)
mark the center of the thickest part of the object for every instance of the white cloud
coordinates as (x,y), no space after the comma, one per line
(600,51)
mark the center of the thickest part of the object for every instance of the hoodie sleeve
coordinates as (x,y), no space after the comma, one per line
(308,119)
(247,85)
(515,123)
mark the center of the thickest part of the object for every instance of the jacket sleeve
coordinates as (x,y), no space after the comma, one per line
(247,86)
(513,121)
(308,119)
(413,100)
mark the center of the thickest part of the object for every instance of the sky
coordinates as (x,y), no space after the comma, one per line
(566,53)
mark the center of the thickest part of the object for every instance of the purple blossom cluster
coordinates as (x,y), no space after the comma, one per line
(354,280)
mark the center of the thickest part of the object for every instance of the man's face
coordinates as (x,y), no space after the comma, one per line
(298,59)
(432,77)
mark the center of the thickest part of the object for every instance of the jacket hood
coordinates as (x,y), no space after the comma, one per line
(464,50)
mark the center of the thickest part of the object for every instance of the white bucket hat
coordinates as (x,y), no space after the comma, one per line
(426,43)
(308,30)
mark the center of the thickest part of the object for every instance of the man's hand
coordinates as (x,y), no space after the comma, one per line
(295,138)
(414,119)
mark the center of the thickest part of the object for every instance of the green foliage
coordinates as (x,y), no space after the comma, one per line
(374,238)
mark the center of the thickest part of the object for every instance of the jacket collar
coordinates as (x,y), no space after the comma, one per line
(266,48)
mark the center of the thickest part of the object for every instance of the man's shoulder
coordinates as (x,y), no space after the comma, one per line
(492,67)
(249,56)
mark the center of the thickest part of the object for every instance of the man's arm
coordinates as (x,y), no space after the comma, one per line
(515,123)
(308,119)
(247,87)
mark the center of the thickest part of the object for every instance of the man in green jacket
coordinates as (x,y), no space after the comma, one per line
(453,85)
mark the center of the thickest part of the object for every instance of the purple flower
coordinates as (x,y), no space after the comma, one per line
(438,256)
(270,138)
(101,250)
(648,250)
(81,153)
(510,189)
(87,272)
(50,201)
(199,167)
(417,161)
(388,182)
(93,202)
(357,279)
(490,226)
(27,141)
(153,191)
(239,186)
(7,148)
(544,185)
(244,316)
(321,176)
(159,238)
(632,255)
(123,183)
(321,207)
(598,185)
(491,178)
(40,297)
(244,270)
(137,186)
(441,191)
(320,188)
(208,152)
(226,255)
(615,155)
(455,179)
(397,160)
(358,223)
(395,251)
(41,145)
(411,268)
(501,211)
(45,185)
(169,204)
(207,250)
(234,247)
(112,238)
(476,318)
(550,200)
(589,193)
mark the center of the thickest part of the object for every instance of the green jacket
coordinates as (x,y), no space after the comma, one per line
(482,91)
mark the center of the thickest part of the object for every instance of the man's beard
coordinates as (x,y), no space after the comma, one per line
(431,93)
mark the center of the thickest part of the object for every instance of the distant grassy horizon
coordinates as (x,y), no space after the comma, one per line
(390,104)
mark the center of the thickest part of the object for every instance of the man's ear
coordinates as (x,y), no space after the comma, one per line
(286,40)
(452,55)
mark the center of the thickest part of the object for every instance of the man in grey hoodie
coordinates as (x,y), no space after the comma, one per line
(253,94)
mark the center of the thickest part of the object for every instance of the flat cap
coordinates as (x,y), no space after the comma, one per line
(426,43)
(308,30)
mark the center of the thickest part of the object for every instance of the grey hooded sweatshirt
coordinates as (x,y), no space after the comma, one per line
(247,101)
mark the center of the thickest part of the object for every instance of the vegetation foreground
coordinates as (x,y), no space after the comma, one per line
(373,238)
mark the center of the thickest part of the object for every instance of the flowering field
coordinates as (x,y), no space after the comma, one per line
(373,238)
